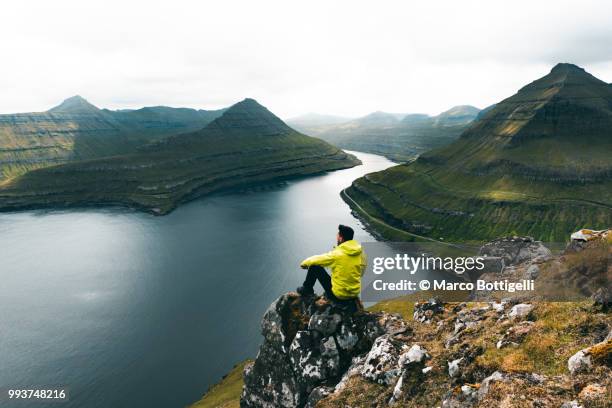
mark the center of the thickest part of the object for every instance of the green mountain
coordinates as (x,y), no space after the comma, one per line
(400,137)
(77,130)
(537,163)
(247,144)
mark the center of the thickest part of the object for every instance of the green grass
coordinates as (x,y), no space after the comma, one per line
(226,393)
(438,203)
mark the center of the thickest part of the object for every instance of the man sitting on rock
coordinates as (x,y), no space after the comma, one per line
(347,262)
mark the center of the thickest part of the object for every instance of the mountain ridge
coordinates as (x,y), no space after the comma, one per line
(536,163)
(77,130)
(400,137)
(74,104)
(246,145)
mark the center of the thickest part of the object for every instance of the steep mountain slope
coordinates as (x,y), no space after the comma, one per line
(537,163)
(400,137)
(245,145)
(77,130)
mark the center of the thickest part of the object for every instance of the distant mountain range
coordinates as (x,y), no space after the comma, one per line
(398,136)
(537,163)
(77,130)
(143,159)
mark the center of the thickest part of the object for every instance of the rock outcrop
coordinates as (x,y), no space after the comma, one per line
(511,353)
(515,250)
(317,354)
(309,344)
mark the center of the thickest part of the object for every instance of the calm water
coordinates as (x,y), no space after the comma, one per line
(129,310)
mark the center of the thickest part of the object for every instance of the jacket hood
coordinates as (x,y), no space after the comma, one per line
(351,247)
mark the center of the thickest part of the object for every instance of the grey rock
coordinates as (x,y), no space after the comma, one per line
(580,362)
(516,250)
(453,367)
(521,310)
(602,298)
(485,385)
(308,343)
(381,362)
(532,272)
(416,354)
(325,323)
(571,404)
(424,312)
(317,395)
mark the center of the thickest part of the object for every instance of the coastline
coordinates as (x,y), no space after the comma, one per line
(221,186)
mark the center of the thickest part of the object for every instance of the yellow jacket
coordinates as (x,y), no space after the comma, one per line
(347,262)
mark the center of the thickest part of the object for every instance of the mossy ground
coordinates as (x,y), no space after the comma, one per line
(226,393)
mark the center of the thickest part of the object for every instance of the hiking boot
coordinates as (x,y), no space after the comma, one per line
(305,291)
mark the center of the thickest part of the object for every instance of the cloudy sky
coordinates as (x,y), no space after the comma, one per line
(338,57)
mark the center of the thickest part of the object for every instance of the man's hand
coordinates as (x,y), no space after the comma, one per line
(304,266)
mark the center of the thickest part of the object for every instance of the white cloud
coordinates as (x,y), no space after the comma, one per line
(342,57)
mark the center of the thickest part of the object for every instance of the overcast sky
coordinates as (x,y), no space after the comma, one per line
(346,58)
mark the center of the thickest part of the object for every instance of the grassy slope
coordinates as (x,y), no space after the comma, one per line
(538,164)
(226,393)
(559,331)
(436,203)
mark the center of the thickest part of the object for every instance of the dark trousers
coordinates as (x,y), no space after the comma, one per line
(318,273)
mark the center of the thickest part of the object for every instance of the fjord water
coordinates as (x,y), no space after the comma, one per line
(126,309)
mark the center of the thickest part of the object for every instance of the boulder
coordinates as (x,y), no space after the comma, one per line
(425,312)
(381,363)
(598,354)
(580,362)
(516,250)
(532,272)
(602,299)
(520,311)
(416,354)
(453,367)
(485,385)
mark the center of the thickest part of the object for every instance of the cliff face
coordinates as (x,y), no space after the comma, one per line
(309,345)
(513,353)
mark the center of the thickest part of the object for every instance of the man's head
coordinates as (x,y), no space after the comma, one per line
(344,234)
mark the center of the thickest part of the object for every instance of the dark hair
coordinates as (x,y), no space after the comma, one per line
(345,232)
